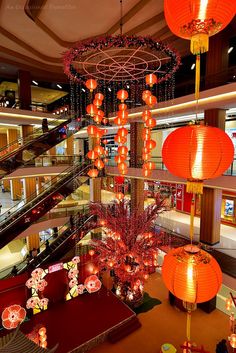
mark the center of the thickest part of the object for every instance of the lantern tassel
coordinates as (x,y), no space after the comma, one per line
(194,187)
(197,77)
(188,326)
(192,218)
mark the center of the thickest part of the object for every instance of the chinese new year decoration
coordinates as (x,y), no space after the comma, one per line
(12,316)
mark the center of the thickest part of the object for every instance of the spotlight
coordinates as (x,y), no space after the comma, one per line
(230,49)
(59,86)
(36,83)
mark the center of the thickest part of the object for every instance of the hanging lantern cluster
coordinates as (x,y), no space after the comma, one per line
(122,132)
(149,123)
(98,153)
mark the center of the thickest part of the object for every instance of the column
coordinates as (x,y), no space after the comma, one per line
(12,136)
(24,89)
(137,195)
(70,146)
(136,144)
(26,130)
(16,189)
(3,143)
(95,189)
(30,188)
(212,198)
(33,241)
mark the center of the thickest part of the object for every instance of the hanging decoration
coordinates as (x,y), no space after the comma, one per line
(197,20)
(128,247)
(12,316)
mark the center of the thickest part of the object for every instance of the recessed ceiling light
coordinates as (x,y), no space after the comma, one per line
(193,66)
(36,83)
(59,86)
(230,49)
(109,89)
(83,89)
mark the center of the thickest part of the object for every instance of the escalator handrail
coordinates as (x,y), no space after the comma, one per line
(37,198)
(25,141)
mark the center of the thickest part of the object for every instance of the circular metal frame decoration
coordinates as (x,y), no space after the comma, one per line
(120,58)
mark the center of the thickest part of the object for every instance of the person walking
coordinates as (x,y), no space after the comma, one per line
(14,271)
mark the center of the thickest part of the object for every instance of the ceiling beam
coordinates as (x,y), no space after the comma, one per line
(136,8)
(150,22)
(161,32)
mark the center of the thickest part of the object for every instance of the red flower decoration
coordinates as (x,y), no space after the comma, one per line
(92,284)
(37,273)
(32,302)
(72,273)
(41,285)
(12,316)
(73,283)
(80,289)
(76,259)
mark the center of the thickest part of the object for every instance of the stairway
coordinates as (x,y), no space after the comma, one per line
(22,151)
(20,217)
(124,329)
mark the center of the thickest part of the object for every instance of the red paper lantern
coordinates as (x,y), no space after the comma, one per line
(122,150)
(120,158)
(100,113)
(122,132)
(99,149)
(120,196)
(99,96)
(119,139)
(146,156)
(197,20)
(91,109)
(123,114)
(104,121)
(151,123)
(93,173)
(97,119)
(191,274)
(119,180)
(146,114)
(105,141)
(122,95)
(150,144)
(151,100)
(92,130)
(197,152)
(97,102)
(145,150)
(92,155)
(122,166)
(99,164)
(146,94)
(122,106)
(91,84)
(151,79)
(149,165)
(146,172)
(119,121)
(146,134)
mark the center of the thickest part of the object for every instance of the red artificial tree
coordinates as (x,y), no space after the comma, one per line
(129,247)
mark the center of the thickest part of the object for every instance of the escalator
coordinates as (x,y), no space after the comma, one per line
(62,244)
(22,151)
(22,215)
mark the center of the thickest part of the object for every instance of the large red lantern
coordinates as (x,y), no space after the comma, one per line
(99,149)
(151,100)
(99,164)
(91,84)
(150,123)
(122,150)
(197,19)
(151,79)
(122,95)
(120,139)
(122,132)
(191,274)
(197,152)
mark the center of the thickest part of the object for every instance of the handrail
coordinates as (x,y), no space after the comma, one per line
(34,199)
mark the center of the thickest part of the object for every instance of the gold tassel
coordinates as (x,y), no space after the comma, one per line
(197,77)
(194,187)
(191,233)
(188,327)
(199,43)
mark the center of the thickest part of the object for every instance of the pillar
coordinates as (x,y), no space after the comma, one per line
(210,216)
(30,188)
(137,195)
(70,146)
(3,143)
(136,144)
(33,241)
(26,130)
(12,136)
(95,189)
(16,189)
(24,89)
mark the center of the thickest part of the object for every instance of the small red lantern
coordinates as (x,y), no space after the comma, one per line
(122,132)
(120,158)
(91,252)
(93,173)
(146,114)
(92,155)
(145,150)
(149,165)
(151,79)
(91,109)
(91,84)
(146,134)
(197,152)
(99,149)
(105,121)
(119,121)
(146,94)
(105,160)
(120,140)
(99,164)
(100,113)
(97,119)
(122,166)
(146,172)
(97,102)
(151,123)
(151,100)
(92,130)
(122,95)
(122,106)
(150,144)
(122,150)
(191,274)
(105,141)
(146,156)
(123,114)
(99,96)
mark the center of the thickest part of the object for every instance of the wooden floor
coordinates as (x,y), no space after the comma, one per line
(166,324)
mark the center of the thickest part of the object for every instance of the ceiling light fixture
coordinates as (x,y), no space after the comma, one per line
(59,86)
(230,49)
(35,82)
(193,66)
